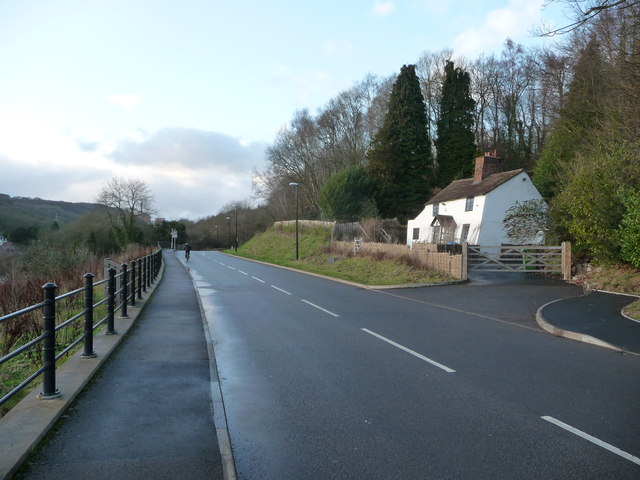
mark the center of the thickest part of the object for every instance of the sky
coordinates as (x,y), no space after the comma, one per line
(187,94)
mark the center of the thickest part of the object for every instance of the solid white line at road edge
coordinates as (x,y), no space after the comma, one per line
(594,440)
(408,350)
(320,308)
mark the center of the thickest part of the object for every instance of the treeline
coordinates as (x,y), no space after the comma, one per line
(512,103)
(239,220)
(569,114)
(24,219)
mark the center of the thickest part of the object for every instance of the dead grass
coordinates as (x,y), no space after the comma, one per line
(612,278)
(23,289)
(633,310)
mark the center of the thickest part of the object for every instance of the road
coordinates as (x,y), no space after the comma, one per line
(323,380)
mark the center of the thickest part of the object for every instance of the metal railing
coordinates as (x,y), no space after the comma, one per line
(132,284)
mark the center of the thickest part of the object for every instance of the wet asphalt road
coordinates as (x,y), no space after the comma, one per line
(323,380)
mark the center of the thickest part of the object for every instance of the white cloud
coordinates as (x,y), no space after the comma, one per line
(382,9)
(192,173)
(40,142)
(124,100)
(50,181)
(514,20)
(190,149)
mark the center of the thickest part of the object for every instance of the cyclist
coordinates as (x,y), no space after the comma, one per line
(187,250)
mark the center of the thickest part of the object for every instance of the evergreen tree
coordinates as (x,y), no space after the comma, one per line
(579,119)
(346,196)
(455,143)
(400,157)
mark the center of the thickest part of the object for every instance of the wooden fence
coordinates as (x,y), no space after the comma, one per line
(428,258)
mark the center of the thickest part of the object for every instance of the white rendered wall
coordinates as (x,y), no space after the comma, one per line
(485,220)
(498,201)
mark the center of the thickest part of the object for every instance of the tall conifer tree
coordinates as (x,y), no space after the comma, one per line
(400,159)
(581,115)
(455,143)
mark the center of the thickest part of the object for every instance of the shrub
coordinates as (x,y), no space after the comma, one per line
(524,221)
(629,229)
(347,196)
(589,209)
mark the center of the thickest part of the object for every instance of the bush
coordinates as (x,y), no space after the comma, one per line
(525,221)
(590,209)
(629,230)
(347,196)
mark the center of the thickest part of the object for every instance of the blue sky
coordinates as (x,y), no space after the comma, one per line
(186,94)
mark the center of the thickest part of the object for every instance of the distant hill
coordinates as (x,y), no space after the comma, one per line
(16,212)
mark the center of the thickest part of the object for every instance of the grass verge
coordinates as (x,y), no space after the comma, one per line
(278,246)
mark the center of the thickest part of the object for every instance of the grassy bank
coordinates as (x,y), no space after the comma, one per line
(278,245)
(614,278)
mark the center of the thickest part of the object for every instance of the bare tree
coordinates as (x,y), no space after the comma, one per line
(430,70)
(124,201)
(586,12)
(312,148)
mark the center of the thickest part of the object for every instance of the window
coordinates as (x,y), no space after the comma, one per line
(468,207)
(465,232)
(416,233)
(436,209)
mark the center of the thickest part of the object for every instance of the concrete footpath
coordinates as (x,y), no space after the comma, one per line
(594,318)
(148,413)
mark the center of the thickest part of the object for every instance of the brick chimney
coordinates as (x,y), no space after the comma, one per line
(487,165)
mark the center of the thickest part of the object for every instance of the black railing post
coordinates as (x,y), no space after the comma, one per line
(124,288)
(144,274)
(111,301)
(49,348)
(149,261)
(88,317)
(133,283)
(156,265)
(140,278)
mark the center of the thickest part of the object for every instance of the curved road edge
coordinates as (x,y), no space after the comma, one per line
(559,332)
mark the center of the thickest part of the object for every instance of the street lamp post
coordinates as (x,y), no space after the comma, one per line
(229,237)
(294,184)
(217,237)
(236,228)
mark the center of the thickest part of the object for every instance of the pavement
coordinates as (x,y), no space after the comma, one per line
(155,409)
(594,318)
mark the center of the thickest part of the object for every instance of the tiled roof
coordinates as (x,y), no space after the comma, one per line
(466,188)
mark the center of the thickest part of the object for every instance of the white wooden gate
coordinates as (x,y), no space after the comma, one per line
(519,258)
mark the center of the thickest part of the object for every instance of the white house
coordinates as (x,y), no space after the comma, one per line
(472,209)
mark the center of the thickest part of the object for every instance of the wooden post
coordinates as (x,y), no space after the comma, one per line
(465,260)
(566,260)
